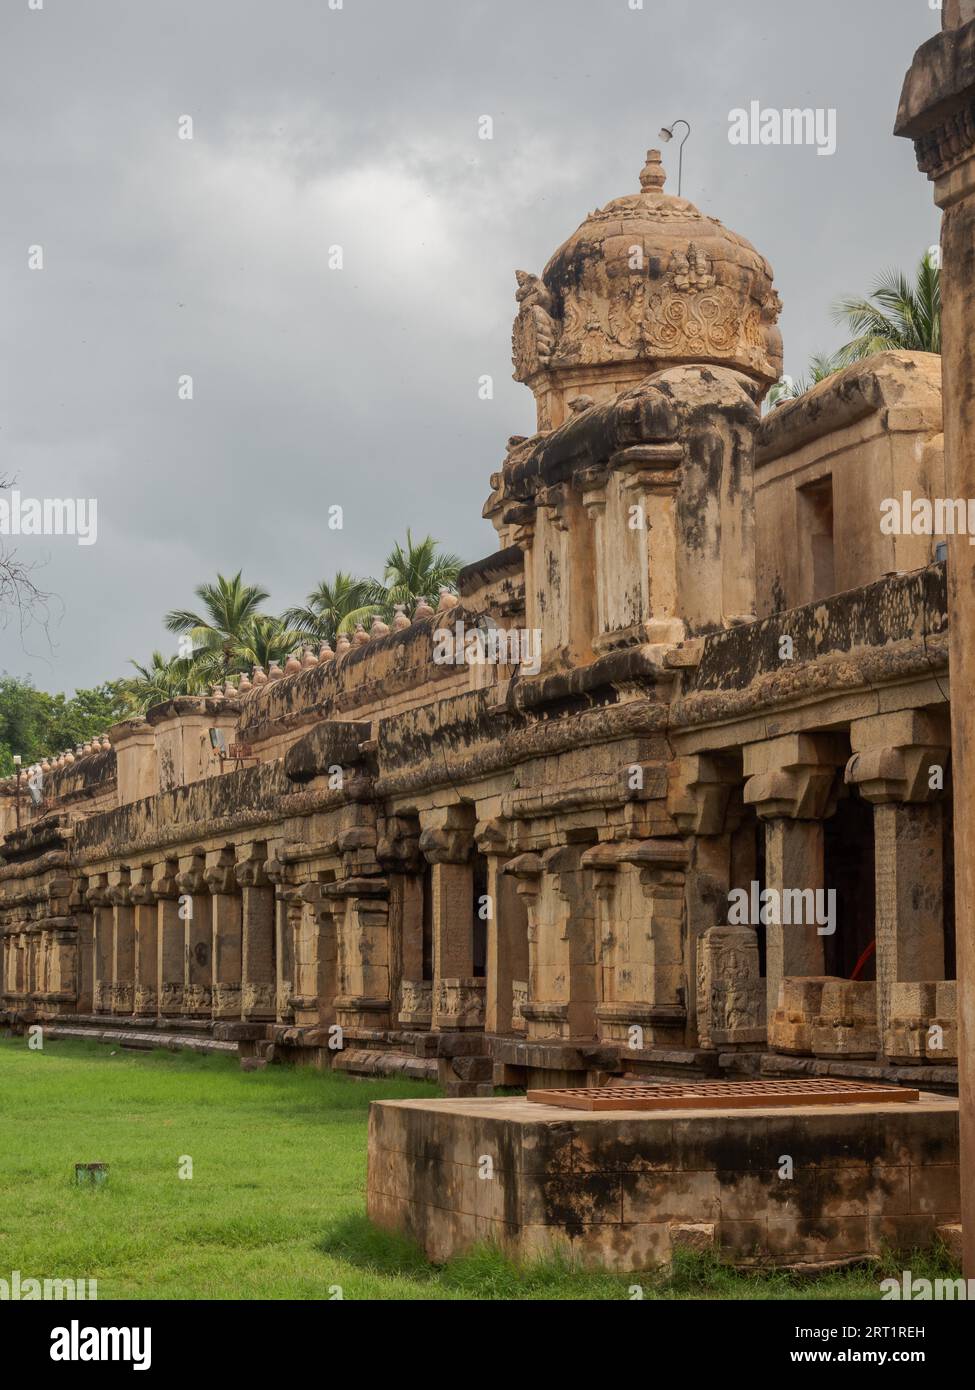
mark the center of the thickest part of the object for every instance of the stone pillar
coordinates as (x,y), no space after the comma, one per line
(258,986)
(226,923)
(704,799)
(359,908)
(447,840)
(792,784)
(315,955)
(935,112)
(123,942)
(197,937)
(278,874)
(507,946)
(170,940)
(415,993)
(146,997)
(894,763)
(78,907)
(101,914)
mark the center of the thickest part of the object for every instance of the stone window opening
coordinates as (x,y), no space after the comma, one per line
(817,569)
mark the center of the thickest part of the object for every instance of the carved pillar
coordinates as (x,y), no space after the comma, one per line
(316,984)
(146,997)
(704,799)
(84,934)
(632,505)
(792,785)
(197,937)
(562,995)
(936,113)
(416,993)
(278,874)
(507,930)
(226,924)
(170,939)
(123,941)
(893,758)
(101,913)
(361,924)
(560,603)
(258,966)
(458,998)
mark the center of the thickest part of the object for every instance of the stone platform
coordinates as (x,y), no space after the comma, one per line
(620,1189)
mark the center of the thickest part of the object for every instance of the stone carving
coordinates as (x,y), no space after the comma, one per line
(691,269)
(460,1004)
(730,992)
(146,1000)
(519,998)
(534,333)
(416,1003)
(257,998)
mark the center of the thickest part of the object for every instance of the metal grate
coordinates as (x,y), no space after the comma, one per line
(731,1095)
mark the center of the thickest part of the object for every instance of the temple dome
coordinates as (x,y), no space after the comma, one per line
(646,282)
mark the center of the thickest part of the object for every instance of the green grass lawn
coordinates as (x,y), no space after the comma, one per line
(276,1204)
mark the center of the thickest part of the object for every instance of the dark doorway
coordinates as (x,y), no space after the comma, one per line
(848,855)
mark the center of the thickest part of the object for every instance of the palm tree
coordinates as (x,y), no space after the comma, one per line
(896,316)
(266,639)
(163,679)
(415,571)
(335,606)
(228,607)
(821,366)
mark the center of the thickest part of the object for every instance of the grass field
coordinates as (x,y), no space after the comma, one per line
(276,1204)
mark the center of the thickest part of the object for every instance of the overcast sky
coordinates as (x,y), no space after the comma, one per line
(315,127)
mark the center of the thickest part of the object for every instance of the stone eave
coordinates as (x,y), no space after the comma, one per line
(864,388)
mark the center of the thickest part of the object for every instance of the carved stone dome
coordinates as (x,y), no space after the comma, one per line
(646,282)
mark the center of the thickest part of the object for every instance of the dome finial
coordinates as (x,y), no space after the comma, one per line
(652,175)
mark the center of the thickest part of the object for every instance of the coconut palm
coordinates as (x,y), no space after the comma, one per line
(228,608)
(335,606)
(414,571)
(897,315)
(265,639)
(821,366)
(163,679)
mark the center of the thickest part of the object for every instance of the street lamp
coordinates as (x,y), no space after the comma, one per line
(17,762)
(667,134)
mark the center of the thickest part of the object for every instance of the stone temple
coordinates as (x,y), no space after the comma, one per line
(689,818)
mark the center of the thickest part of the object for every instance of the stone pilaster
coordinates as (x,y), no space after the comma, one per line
(101,912)
(226,923)
(258,986)
(507,927)
(170,939)
(279,874)
(123,941)
(194,904)
(899,762)
(792,784)
(146,995)
(446,840)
